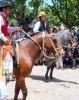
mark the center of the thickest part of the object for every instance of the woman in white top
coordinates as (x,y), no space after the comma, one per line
(40,25)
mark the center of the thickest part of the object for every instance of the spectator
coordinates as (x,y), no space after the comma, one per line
(55,30)
(73,30)
(76,51)
(14,36)
(68,60)
(59,63)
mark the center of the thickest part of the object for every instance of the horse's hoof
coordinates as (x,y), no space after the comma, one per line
(46,77)
(24,95)
(51,78)
(47,80)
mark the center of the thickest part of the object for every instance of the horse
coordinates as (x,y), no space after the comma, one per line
(63,37)
(29,51)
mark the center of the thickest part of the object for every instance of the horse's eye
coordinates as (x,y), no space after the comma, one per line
(55,41)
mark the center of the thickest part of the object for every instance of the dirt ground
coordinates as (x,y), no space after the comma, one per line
(65,85)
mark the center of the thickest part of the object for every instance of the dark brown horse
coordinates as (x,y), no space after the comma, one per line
(64,37)
(29,52)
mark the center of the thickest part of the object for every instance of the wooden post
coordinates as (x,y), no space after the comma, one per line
(0,62)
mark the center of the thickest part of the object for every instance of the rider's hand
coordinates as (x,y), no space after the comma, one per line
(18,28)
(7,42)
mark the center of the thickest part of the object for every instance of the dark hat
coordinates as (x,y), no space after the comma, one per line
(5,4)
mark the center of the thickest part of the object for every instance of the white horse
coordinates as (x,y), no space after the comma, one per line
(63,36)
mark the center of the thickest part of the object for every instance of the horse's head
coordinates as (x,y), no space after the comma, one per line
(64,36)
(53,45)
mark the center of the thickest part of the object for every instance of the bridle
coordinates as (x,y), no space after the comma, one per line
(43,50)
(56,49)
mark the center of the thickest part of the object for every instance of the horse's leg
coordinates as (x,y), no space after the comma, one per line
(51,71)
(17,89)
(23,88)
(47,71)
(20,84)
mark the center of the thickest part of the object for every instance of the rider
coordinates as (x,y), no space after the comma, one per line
(40,25)
(5,9)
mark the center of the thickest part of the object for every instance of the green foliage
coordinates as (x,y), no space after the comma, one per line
(67,11)
(60,11)
(24,8)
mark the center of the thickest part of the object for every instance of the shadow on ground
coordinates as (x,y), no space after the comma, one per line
(42,78)
(13,99)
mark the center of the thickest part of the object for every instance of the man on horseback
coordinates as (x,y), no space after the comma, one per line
(40,25)
(5,9)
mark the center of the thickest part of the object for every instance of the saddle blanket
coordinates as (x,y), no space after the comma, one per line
(8,64)
(8,53)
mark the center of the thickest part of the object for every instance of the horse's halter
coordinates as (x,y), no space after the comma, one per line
(44,36)
(56,49)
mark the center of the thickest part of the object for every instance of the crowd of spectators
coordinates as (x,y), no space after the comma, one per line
(71,55)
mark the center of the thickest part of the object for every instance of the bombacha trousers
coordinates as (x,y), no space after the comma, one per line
(1,67)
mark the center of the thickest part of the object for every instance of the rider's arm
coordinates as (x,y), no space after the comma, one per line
(2,37)
(11,29)
(36,27)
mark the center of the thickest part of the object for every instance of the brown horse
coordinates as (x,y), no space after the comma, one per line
(29,52)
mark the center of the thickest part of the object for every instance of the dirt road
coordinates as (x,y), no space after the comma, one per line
(65,85)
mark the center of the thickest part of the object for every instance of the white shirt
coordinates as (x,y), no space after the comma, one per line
(10,29)
(36,27)
(3,91)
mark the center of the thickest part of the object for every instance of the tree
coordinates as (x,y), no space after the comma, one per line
(66,11)
(24,11)
(51,18)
